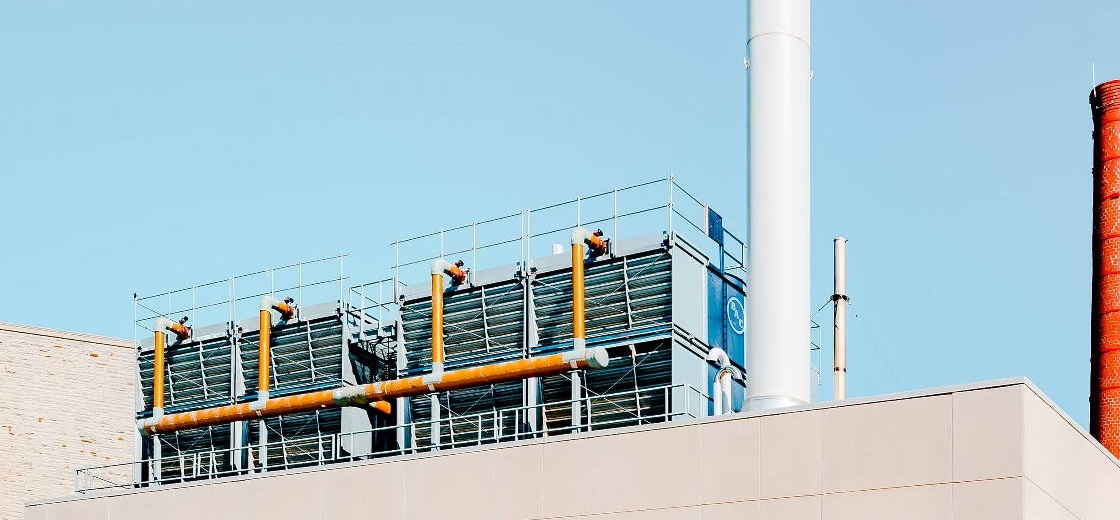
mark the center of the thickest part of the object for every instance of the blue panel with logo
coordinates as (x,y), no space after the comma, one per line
(727,317)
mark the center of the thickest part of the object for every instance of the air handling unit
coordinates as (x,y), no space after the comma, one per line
(619,309)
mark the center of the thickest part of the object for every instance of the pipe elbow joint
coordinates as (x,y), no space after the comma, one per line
(179,328)
(455,270)
(147,426)
(286,308)
(580,234)
(435,377)
(163,324)
(719,356)
(268,302)
(593,357)
(594,240)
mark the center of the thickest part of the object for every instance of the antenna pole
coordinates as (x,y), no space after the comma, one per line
(840,319)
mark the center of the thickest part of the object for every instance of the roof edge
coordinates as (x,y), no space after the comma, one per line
(63,334)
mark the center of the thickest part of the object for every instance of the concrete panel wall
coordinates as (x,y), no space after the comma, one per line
(68,402)
(962,453)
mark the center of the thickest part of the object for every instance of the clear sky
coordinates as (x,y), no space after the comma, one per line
(145,147)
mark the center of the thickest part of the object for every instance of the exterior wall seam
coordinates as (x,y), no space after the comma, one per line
(1027,478)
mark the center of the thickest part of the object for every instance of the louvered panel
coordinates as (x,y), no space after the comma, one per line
(653,369)
(606,288)
(299,439)
(462,403)
(195,373)
(296,361)
(195,454)
(471,336)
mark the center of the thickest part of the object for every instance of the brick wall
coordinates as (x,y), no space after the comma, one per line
(66,402)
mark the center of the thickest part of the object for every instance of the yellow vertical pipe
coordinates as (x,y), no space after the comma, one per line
(437,319)
(157,377)
(578,330)
(264,363)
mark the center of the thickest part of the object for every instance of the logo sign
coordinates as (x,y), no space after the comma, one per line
(736,315)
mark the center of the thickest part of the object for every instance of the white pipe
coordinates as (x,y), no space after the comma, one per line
(840,319)
(778,313)
(721,384)
(267,302)
(580,234)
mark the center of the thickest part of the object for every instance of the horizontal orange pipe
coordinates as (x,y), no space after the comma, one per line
(377,393)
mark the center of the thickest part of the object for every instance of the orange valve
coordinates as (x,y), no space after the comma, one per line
(596,244)
(286,308)
(181,330)
(456,272)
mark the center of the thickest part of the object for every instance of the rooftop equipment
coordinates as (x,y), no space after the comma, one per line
(468,357)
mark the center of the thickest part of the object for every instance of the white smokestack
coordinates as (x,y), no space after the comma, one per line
(778,319)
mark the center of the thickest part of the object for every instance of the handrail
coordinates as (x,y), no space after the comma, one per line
(490,427)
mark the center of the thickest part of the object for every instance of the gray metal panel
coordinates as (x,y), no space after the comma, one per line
(196,373)
(623,294)
(690,290)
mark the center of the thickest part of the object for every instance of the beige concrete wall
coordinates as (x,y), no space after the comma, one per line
(68,402)
(994,451)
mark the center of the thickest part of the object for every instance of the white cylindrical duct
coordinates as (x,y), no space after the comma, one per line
(840,319)
(778,331)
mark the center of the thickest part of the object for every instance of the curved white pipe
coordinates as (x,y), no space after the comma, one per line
(721,384)
(163,324)
(268,302)
(439,266)
(580,234)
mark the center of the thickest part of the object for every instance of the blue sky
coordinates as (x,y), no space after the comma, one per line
(147,147)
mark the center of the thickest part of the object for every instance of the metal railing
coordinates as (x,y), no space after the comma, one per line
(598,412)
(623,212)
(237,297)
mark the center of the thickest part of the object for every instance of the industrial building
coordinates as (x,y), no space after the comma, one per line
(621,355)
(997,450)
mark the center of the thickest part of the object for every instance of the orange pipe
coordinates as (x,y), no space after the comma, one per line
(437,320)
(264,363)
(1104,385)
(157,376)
(579,330)
(597,246)
(378,393)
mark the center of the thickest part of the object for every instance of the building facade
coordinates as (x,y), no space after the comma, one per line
(68,402)
(998,450)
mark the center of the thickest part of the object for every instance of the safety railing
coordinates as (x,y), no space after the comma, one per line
(650,208)
(238,297)
(597,412)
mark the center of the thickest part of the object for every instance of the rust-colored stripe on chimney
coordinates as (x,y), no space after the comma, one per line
(1104,386)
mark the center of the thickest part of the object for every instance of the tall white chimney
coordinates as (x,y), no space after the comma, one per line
(778,133)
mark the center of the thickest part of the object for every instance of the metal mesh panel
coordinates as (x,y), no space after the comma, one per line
(196,373)
(297,440)
(481,324)
(623,294)
(304,354)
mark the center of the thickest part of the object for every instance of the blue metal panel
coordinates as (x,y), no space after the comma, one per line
(715,226)
(726,317)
